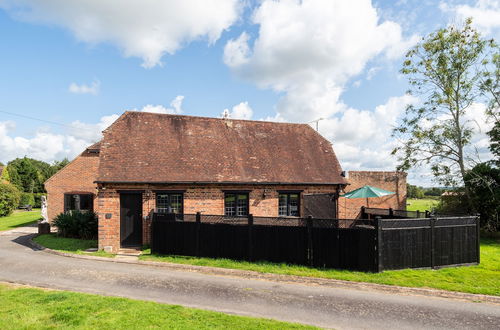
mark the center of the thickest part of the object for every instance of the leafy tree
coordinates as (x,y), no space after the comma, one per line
(24,175)
(9,199)
(414,191)
(57,165)
(490,86)
(434,191)
(4,176)
(446,69)
(483,182)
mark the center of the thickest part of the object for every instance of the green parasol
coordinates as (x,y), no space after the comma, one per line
(366,192)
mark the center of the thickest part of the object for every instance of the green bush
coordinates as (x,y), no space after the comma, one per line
(26,199)
(77,224)
(9,199)
(38,199)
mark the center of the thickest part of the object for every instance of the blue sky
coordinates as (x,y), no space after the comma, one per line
(82,63)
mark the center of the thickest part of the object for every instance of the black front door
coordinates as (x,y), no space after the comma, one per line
(131,219)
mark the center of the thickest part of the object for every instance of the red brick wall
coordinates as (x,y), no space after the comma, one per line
(205,199)
(391,181)
(77,176)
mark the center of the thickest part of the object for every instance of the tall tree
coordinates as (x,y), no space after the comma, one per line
(490,86)
(445,70)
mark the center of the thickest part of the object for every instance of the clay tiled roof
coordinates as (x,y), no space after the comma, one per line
(157,148)
(95,147)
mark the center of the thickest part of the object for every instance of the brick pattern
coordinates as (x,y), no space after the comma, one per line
(205,199)
(391,181)
(77,177)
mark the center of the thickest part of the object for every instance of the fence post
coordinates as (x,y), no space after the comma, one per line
(433,223)
(363,212)
(378,244)
(391,212)
(198,225)
(418,214)
(427,215)
(478,243)
(310,240)
(250,239)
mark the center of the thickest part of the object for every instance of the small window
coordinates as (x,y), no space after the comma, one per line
(289,205)
(82,202)
(169,203)
(236,204)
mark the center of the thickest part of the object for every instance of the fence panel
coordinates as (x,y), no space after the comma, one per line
(280,244)
(431,242)
(329,243)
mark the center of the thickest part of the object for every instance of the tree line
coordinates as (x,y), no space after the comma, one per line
(21,182)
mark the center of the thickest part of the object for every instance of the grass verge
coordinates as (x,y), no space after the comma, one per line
(70,245)
(19,219)
(28,308)
(482,279)
(414,204)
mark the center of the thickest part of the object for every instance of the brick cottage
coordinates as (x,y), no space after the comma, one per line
(150,162)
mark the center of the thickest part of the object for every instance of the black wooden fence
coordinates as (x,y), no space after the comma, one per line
(358,244)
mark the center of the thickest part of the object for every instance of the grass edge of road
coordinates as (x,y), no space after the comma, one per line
(27,307)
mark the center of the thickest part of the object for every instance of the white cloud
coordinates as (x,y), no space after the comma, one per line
(48,146)
(362,138)
(240,111)
(144,29)
(85,89)
(176,107)
(485,14)
(309,49)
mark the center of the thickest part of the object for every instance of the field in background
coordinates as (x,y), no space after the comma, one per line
(413,204)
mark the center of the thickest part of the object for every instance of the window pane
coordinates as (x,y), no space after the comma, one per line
(169,203)
(176,203)
(162,203)
(242,205)
(86,202)
(283,202)
(294,205)
(230,204)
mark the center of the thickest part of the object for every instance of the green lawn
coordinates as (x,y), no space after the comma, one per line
(27,308)
(70,245)
(483,278)
(413,204)
(19,218)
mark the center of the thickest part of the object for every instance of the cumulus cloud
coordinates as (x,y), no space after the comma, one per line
(175,107)
(309,49)
(362,138)
(47,146)
(239,111)
(485,14)
(85,89)
(144,29)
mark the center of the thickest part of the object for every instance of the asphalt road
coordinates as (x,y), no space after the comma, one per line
(322,306)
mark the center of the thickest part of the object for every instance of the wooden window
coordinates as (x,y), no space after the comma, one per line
(81,202)
(236,204)
(289,204)
(169,202)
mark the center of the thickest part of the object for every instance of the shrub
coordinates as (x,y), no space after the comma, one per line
(26,199)
(9,199)
(77,224)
